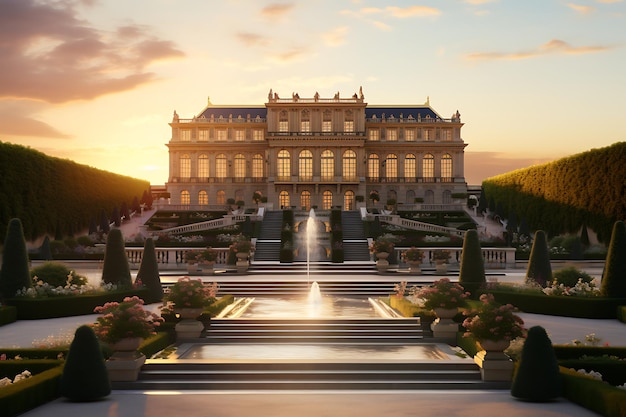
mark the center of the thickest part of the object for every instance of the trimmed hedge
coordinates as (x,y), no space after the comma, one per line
(70,305)
(39,389)
(8,314)
(566,352)
(613,371)
(594,395)
(582,307)
(621,314)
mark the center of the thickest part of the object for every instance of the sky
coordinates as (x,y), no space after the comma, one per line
(97,81)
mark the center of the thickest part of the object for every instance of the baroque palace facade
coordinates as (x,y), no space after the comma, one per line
(320,152)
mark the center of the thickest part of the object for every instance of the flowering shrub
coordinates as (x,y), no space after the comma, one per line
(441,255)
(242,245)
(19,377)
(125,319)
(400,289)
(492,321)
(190,293)
(442,294)
(382,245)
(43,289)
(413,254)
(195,256)
(581,289)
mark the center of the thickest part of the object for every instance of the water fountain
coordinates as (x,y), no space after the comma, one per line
(311,240)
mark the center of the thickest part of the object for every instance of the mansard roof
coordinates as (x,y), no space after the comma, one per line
(418,111)
(234,111)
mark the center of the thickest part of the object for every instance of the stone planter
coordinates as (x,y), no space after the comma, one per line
(126,362)
(192,268)
(494,364)
(207,267)
(441,267)
(242,256)
(382,264)
(414,267)
(189,327)
(128,344)
(444,327)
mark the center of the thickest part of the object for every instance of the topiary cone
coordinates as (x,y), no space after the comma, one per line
(115,269)
(85,376)
(538,377)
(539,269)
(614,274)
(15,273)
(472,270)
(148,273)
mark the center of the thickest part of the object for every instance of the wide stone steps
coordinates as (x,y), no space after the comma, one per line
(307,375)
(357,288)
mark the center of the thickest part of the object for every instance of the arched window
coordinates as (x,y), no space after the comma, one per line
(409,169)
(203,198)
(221,197)
(240,167)
(327,200)
(428,167)
(185,198)
(373,167)
(410,197)
(284,165)
(348,200)
(447,197)
(283,199)
(429,197)
(185,166)
(203,166)
(305,200)
(221,166)
(328,165)
(257,166)
(391,166)
(349,165)
(305,165)
(446,168)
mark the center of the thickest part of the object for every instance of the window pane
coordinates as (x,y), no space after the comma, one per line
(283,126)
(203,166)
(391,166)
(326,126)
(374,135)
(240,135)
(446,167)
(203,198)
(428,167)
(305,126)
(409,167)
(348,200)
(185,166)
(348,126)
(349,165)
(328,165)
(221,134)
(185,197)
(327,200)
(284,165)
(257,166)
(305,166)
(240,166)
(203,135)
(283,199)
(257,134)
(305,200)
(392,135)
(221,168)
(185,135)
(409,135)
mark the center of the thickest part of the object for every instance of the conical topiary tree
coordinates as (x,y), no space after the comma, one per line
(614,274)
(15,273)
(539,269)
(148,273)
(115,269)
(85,376)
(472,270)
(537,377)
(584,237)
(44,250)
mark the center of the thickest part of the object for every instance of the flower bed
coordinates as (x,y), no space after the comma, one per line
(40,388)
(592,394)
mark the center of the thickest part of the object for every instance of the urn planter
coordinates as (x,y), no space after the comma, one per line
(125,363)
(494,364)
(189,327)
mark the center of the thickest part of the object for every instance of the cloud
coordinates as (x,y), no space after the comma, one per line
(580,8)
(399,12)
(18,118)
(479,2)
(50,54)
(336,36)
(276,10)
(252,39)
(553,47)
(293,54)
(609,1)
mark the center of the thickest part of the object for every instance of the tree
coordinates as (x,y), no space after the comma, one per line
(44,250)
(472,269)
(537,377)
(85,377)
(584,237)
(115,269)
(148,274)
(124,212)
(93,228)
(15,273)
(105,226)
(115,216)
(614,274)
(539,269)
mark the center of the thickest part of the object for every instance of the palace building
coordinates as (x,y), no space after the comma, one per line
(316,152)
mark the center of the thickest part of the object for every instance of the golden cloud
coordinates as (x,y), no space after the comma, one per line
(554,46)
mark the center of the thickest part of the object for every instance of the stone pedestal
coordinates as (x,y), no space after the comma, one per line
(441,267)
(494,364)
(188,329)
(242,265)
(125,366)
(414,268)
(444,327)
(382,264)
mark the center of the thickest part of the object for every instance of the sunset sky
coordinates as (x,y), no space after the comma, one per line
(97,81)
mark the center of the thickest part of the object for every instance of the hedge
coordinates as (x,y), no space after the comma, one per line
(592,394)
(39,389)
(68,305)
(8,314)
(581,307)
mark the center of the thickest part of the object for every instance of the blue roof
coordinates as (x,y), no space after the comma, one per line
(235,111)
(396,111)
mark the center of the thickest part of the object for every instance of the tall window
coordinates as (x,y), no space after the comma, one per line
(222,134)
(348,200)
(203,135)
(391,166)
(348,126)
(257,134)
(203,198)
(392,135)
(203,166)
(327,121)
(428,167)
(185,198)
(374,135)
(328,165)
(283,199)
(428,134)
(283,123)
(284,165)
(220,197)
(185,135)
(447,135)
(185,166)
(373,167)
(305,200)
(327,200)
(305,165)
(409,135)
(349,165)
(221,166)
(409,167)
(305,126)
(257,166)
(240,135)
(446,167)
(240,167)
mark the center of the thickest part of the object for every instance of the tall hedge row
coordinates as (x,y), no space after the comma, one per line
(48,194)
(561,196)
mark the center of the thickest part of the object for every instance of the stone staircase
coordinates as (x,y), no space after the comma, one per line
(354,241)
(268,243)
